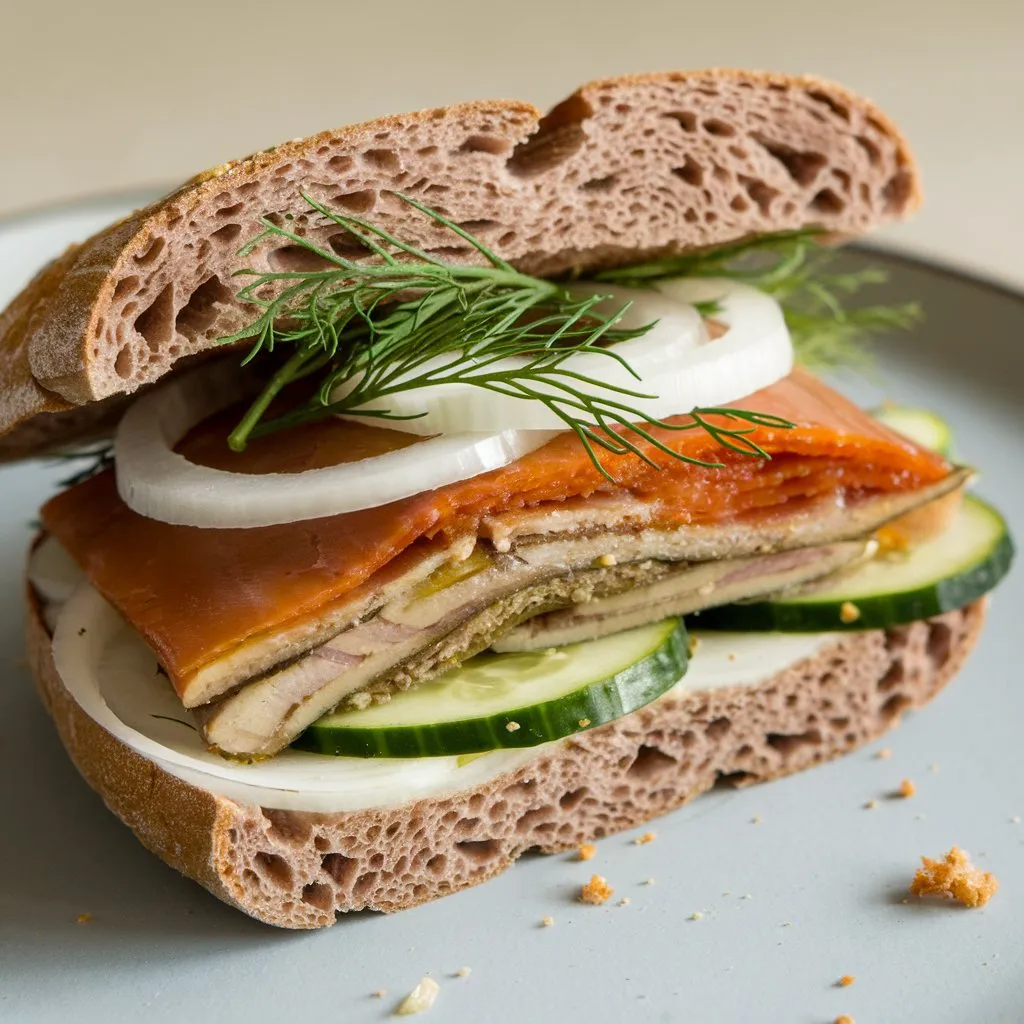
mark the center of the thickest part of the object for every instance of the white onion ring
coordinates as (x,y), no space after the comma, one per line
(676,361)
(157,482)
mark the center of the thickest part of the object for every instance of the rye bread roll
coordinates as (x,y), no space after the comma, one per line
(624,170)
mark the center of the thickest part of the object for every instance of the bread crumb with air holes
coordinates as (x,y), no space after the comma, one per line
(547,921)
(954,878)
(647,837)
(907,789)
(512,727)
(596,891)
(585,851)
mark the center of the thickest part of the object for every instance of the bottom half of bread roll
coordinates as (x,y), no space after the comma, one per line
(299,868)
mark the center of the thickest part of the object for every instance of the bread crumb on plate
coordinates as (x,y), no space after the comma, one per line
(596,891)
(954,878)
(845,1019)
(463,972)
(547,921)
(420,999)
(908,788)
(884,754)
(647,837)
(83,918)
(846,981)
(585,851)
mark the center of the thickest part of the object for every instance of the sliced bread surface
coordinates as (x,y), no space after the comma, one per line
(299,869)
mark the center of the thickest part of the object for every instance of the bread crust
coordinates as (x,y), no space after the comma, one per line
(299,869)
(623,169)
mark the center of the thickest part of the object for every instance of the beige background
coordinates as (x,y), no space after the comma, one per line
(102,95)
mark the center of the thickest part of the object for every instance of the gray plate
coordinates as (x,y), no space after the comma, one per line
(811,893)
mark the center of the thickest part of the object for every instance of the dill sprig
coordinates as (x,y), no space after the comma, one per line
(371,328)
(794,268)
(92,458)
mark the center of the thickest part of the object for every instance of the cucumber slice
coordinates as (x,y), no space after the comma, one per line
(920,425)
(941,575)
(513,700)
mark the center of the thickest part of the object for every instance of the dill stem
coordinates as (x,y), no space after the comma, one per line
(292,370)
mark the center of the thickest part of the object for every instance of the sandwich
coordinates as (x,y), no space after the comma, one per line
(462,483)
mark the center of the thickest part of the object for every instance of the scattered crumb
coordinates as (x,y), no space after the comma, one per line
(647,837)
(512,727)
(607,560)
(786,924)
(920,817)
(596,891)
(848,612)
(731,656)
(884,754)
(420,999)
(1015,820)
(694,644)
(846,981)
(360,701)
(696,915)
(463,972)
(585,851)
(380,993)
(83,918)
(647,881)
(584,722)
(933,767)
(845,1019)
(746,896)
(625,901)
(956,878)
(547,922)
(870,805)
(756,819)
(907,789)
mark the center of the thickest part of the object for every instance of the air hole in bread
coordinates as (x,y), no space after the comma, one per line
(229,211)
(296,258)
(347,246)
(497,810)
(760,192)
(896,191)
(200,311)
(155,322)
(827,201)
(842,177)
(720,174)
(559,136)
(895,706)
(364,886)
(124,363)
(892,678)
(274,868)
(283,170)
(874,154)
(451,253)
(940,643)
(485,144)
(227,234)
(803,166)
(685,119)
(476,227)
(124,287)
(837,108)
(340,164)
(691,172)
(649,763)
(720,129)
(839,723)
(717,728)
(436,864)
(478,850)
(600,184)
(341,868)
(319,895)
(735,780)
(427,151)
(571,800)
(358,202)
(467,826)
(739,203)
(385,160)
(529,821)
(288,827)
(151,253)
(786,744)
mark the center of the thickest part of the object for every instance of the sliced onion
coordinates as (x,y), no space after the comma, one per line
(157,482)
(677,362)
